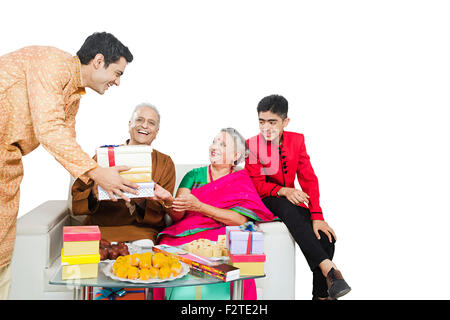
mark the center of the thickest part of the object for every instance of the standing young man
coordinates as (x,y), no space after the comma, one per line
(40,92)
(276,158)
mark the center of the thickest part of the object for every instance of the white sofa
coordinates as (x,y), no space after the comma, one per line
(38,245)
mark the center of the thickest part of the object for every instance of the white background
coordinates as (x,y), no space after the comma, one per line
(367,83)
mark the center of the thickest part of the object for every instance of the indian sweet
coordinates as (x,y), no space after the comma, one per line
(103,253)
(175,268)
(146,266)
(153,272)
(172,260)
(121,271)
(117,265)
(164,272)
(135,257)
(159,260)
(112,251)
(133,273)
(146,260)
(208,248)
(144,274)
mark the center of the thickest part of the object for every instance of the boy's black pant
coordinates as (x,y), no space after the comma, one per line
(298,220)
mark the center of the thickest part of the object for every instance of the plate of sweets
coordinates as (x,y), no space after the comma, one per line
(145,267)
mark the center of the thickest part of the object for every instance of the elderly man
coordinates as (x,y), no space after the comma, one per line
(141,218)
(40,92)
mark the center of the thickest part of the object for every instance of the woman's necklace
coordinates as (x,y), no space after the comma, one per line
(210,173)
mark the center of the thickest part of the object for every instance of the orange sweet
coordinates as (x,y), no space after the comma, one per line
(135,257)
(172,260)
(144,274)
(120,259)
(146,260)
(159,260)
(127,259)
(132,273)
(164,272)
(121,271)
(176,268)
(116,265)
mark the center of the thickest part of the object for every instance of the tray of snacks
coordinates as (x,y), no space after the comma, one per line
(145,267)
(213,250)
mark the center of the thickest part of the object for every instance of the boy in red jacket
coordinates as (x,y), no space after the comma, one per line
(276,158)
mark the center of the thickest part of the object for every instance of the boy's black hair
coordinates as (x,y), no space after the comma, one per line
(274,103)
(106,44)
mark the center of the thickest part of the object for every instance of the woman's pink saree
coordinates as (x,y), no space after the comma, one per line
(234,191)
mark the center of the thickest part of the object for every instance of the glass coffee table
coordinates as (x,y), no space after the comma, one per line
(193,278)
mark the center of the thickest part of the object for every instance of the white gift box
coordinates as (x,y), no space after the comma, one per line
(138,158)
(244,242)
(146,189)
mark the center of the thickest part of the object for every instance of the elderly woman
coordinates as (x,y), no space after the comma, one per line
(215,196)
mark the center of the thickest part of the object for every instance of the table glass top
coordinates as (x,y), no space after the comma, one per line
(193,278)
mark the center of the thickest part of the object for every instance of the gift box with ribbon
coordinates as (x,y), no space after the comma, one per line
(80,254)
(249,264)
(138,158)
(120,294)
(244,239)
(81,240)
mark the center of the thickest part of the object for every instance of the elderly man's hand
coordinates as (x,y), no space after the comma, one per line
(95,190)
(161,194)
(111,181)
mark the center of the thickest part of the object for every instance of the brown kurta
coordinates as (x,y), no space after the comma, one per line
(119,221)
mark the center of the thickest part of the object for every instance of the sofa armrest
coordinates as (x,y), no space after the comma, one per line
(37,246)
(279,247)
(43,218)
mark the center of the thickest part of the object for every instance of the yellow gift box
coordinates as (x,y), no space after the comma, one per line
(76,248)
(79,267)
(250,268)
(250,264)
(138,175)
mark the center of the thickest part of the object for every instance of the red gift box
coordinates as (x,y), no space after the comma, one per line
(247,257)
(249,264)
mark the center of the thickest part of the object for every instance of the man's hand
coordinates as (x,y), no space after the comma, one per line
(95,190)
(111,181)
(161,194)
(293,195)
(325,228)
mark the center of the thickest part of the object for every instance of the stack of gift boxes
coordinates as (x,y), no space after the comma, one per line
(246,250)
(138,158)
(80,253)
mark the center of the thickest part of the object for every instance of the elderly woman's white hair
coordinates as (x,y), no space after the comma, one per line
(239,143)
(144,105)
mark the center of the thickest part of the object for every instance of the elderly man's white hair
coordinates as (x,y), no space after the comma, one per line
(139,107)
